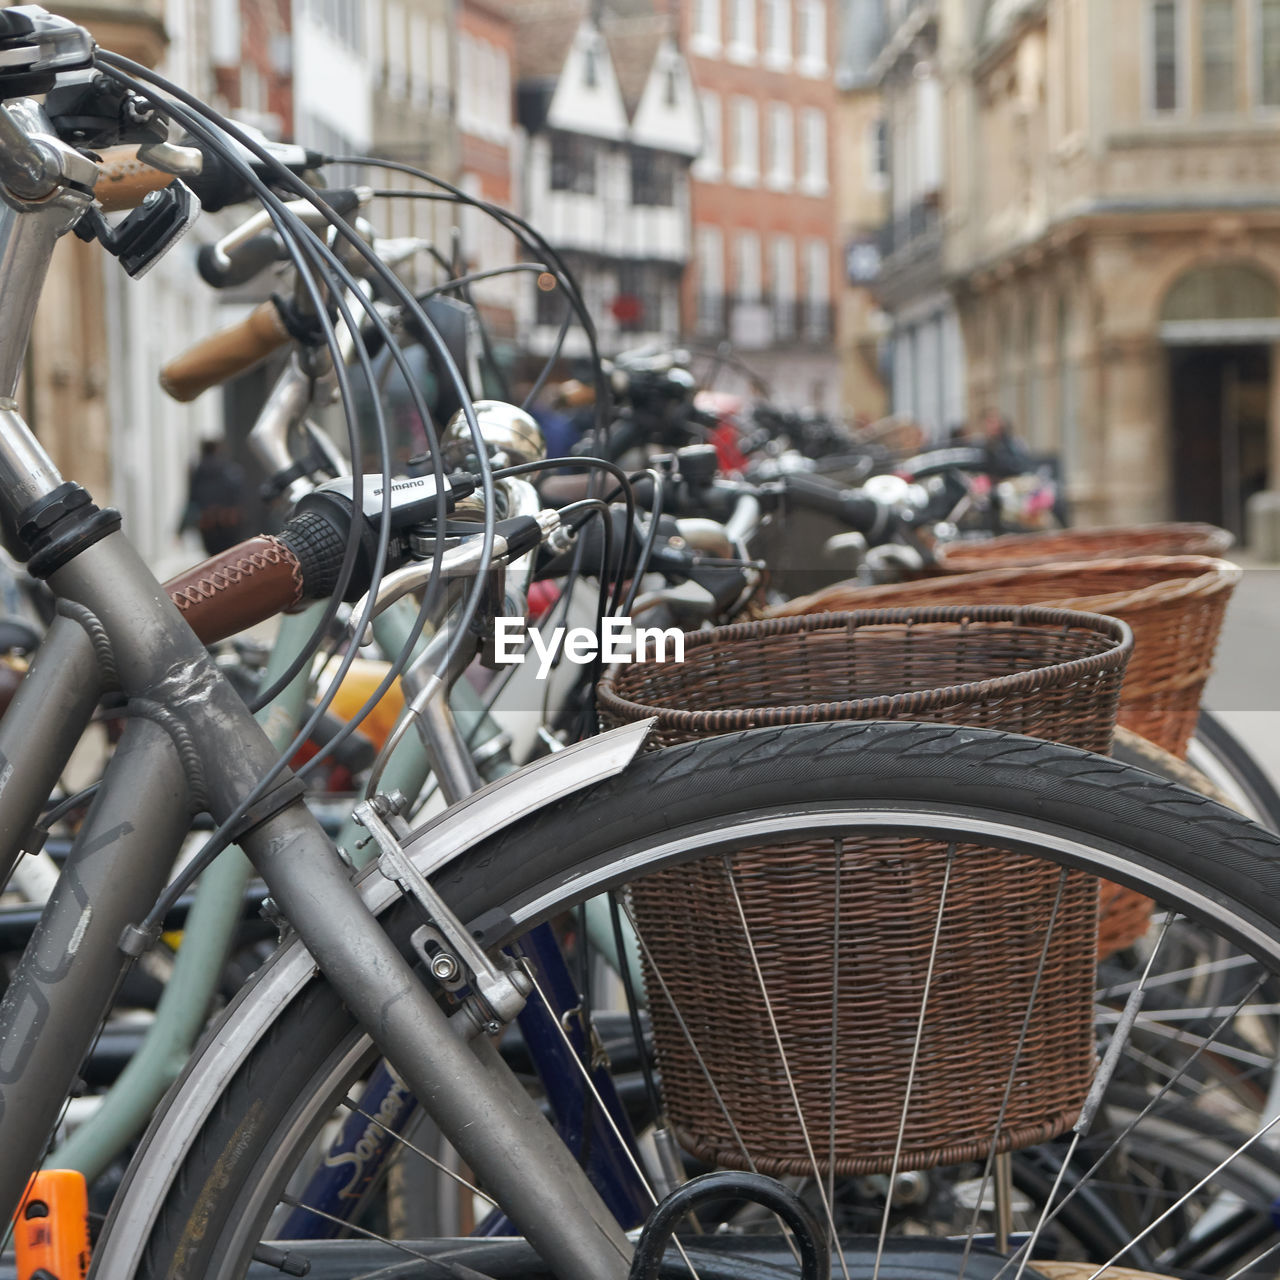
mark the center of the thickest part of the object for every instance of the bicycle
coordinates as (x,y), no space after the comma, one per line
(205,1181)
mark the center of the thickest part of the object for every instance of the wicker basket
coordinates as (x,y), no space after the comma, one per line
(1048,673)
(1175,606)
(1115,543)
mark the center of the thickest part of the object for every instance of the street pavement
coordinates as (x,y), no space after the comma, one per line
(1245,686)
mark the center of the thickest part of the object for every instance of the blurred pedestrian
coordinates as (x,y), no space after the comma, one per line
(1006,454)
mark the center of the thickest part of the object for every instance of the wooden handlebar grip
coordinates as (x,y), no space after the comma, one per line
(225,354)
(238,588)
(123,179)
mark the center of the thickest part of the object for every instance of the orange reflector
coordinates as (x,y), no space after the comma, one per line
(51,1231)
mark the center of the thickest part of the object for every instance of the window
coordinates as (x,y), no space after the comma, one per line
(573,163)
(706,28)
(1166,90)
(817,270)
(1269,52)
(782,271)
(419,58)
(1218,55)
(813,177)
(710,163)
(653,178)
(777,34)
(812,45)
(878,154)
(638,302)
(710,266)
(781,147)
(397,75)
(742,31)
(746,143)
(440,76)
(746,267)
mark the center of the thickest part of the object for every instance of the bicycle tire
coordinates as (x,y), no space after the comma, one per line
(193,1201)
(1241,768)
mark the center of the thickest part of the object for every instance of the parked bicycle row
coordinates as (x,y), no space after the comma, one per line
(712,846)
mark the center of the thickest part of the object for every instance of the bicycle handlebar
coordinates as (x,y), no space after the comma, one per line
(238,588)
(225,354)
(124,181)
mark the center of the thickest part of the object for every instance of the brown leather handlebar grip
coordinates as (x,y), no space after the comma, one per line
(238,588)
(123,179)
(223,355)
(575,395)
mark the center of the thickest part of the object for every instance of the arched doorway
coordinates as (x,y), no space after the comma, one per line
(1220,325)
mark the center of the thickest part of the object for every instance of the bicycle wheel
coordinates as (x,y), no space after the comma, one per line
(1219,752)
(217,1164)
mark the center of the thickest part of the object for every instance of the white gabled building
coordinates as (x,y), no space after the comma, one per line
(613,125)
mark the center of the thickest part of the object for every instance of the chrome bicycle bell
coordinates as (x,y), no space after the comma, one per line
(512,435)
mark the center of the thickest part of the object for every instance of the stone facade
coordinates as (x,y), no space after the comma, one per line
(1112,239)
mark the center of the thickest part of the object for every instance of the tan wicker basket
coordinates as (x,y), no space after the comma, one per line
(1049,673)
(1111,543)
(1175,605)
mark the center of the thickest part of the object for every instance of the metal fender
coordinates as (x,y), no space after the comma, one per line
(283,976)
(534,787)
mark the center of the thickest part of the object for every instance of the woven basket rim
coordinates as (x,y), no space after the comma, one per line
(1014,542)
(1204,575)
(936,698)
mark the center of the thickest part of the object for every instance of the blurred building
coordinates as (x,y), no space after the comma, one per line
(489,157)
(413,115)
(608,106)
(1113,240)
(763,198)
(927,359)
(250,50)
(861,185)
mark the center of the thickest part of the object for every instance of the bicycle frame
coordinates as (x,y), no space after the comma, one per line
(190,739)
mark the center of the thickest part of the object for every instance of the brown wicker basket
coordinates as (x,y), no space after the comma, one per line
(1049,673)
(1175,606)
(1084,544)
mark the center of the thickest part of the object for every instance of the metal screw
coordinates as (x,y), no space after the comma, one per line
(444,967)
(152,197)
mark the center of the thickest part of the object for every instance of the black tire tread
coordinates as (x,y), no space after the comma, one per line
(907,764)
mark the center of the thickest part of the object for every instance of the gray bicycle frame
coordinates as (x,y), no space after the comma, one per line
(190,740)
(181,1012)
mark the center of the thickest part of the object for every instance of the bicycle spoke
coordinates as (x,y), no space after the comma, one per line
(688,1036)
(294,1203)
(597,1100)
(1054,1211)
(1013,1071)
(431,1160)
(786,1065)
(693,1048)
(915,1058)
(1253,1262)
(835,1022)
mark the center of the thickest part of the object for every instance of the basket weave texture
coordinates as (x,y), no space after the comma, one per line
(1175,605)
(1113,543)
(842,929)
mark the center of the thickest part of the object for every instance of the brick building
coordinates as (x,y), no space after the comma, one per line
(763,201)
(487,147)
